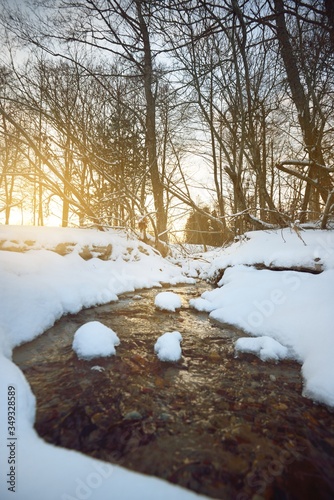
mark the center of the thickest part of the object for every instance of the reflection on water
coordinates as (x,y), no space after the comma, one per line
(228,428)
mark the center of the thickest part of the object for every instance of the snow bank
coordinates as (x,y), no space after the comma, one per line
(277,248)
(77,241)
(40,286)
(168,348)
(264,347)
(93,340)
(37,288)
(168,301)
(293,308)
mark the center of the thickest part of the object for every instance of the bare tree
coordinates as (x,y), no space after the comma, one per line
(214,79)
(311,116)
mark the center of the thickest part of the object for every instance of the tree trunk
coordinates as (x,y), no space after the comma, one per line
(151,140)
(311,136)
(329,9)
(67,175)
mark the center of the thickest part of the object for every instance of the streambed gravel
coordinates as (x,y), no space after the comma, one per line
(229,428)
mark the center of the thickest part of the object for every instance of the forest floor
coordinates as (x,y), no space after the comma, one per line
(226,427)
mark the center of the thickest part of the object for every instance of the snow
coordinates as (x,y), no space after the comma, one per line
(287,314)
(36,288)
(168,348)
(168,301)
(293,308)
(93,340)
(265,347)
(280,248)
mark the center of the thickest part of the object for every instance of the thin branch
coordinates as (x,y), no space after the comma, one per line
(45,160)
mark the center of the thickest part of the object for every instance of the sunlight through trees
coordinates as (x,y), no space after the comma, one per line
(174,111)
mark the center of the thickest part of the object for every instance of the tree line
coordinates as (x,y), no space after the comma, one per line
(217,111)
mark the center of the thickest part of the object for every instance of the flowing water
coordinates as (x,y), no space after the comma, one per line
(229,428)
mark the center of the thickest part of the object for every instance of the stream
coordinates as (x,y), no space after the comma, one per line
(226,427)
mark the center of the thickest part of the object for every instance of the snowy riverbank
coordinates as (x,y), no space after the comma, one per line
(292,307)
(39,286)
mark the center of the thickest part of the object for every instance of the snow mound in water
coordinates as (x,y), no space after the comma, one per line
(168,301)
(94,340)
(168,348)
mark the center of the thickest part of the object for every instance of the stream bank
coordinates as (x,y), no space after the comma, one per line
(229,428)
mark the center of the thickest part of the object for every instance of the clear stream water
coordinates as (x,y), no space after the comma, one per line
(229,428)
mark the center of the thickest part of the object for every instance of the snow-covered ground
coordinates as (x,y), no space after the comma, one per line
(293,308)
(39,286)
(281,248)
